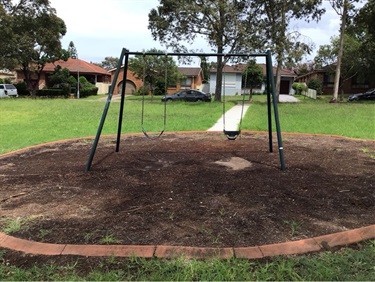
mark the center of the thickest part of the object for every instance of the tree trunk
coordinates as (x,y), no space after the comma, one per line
(339,56)
(219,77)
(220,49)
(280,50)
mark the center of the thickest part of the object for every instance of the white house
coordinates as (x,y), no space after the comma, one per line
(232,80)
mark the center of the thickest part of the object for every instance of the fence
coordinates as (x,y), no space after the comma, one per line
(311,93)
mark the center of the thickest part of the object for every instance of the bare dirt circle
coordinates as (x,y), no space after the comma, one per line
(196,189)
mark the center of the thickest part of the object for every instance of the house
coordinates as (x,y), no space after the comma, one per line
(93,73)
(132,82)
(327,76)
(8,75)
(192,79)
(232,80)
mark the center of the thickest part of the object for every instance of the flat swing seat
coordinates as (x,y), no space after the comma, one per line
(232,134)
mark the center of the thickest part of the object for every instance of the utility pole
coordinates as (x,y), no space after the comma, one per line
(78,78)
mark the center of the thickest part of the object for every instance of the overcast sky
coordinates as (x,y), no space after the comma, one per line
(102,28)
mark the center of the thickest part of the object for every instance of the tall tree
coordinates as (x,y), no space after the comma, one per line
(275,19)
(34,33)
(252,76)
(154,70)
(363,28)
(72,50)
(344,8)
(352,63)
(110,63)
(224,24)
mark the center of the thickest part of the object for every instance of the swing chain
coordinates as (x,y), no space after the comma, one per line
(143,102)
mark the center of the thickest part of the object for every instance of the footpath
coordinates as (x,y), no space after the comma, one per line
(233,116)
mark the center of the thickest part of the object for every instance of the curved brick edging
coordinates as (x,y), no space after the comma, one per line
(314,244)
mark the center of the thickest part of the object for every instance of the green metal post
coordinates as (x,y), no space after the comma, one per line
(105,111)
(276,112)
(122,101)
(269,109)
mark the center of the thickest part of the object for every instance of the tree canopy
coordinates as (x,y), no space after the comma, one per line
(252,76)
(363,28)
(155,70)
(275,17)
(224,24)
(31,36)
(72,50)
(108,63)
(345,9)
(235,26)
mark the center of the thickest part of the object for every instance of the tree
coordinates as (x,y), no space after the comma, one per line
(343,9)
(252,76)
(72,50)
(33,34)
(108,63)
(205,66)
(275,18)
(154,70)
(363,28)
(352,63)
(225,24)
(304,68)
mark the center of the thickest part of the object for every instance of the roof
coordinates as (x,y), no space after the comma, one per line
(75,65)
(189,71)
(239,68)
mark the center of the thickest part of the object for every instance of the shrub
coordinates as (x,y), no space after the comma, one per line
(159,88)
(52,93)
(316,84)
(22,88)
(299,87)
(88,91)
(140,90)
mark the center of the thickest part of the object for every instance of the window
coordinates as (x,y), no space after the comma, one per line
(185,82)
(329,78)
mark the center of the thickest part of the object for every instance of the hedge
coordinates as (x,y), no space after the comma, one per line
(51,93)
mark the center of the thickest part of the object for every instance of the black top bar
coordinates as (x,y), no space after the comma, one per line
(198,54)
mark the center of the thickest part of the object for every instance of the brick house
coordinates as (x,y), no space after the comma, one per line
(192,79)
(327,76)
(93,73)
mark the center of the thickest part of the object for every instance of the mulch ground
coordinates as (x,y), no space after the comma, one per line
(196,189)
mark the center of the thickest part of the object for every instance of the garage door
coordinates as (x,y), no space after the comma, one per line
(129,90)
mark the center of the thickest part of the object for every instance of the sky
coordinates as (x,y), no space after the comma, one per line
(101,29)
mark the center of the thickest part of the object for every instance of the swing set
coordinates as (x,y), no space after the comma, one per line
(231,134)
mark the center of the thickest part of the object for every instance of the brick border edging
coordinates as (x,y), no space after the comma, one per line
(304,246)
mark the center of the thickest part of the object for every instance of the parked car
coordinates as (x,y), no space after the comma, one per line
(188,95)
(368,95)
(8,90)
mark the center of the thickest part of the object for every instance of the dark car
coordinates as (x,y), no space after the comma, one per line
(188,95)
(368,95)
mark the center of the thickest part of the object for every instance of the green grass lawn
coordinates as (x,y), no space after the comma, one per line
(24,122)
(355,120)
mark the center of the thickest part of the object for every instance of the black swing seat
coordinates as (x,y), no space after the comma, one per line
(232,134)
(152,137)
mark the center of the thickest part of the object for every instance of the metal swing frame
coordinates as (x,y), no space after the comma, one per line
(124,57)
